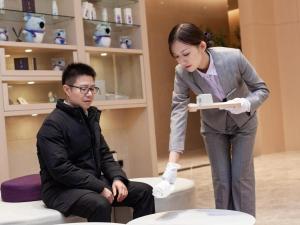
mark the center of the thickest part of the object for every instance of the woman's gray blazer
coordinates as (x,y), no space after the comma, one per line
(238,79)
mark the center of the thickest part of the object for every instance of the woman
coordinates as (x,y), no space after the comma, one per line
(229,134)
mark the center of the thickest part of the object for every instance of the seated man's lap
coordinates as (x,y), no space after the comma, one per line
(137,193)
(88,203)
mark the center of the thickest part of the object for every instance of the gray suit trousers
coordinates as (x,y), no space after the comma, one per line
(231,157)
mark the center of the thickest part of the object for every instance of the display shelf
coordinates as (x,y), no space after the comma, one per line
(117,31)
(18,16)
(21,95)
(120,76)
(27,75)
(12,18)
(39,46)
(32,112)
(40,62)
(93,49)
(119,28)
(120,104)
(115,3)
(126,101)
(115,26)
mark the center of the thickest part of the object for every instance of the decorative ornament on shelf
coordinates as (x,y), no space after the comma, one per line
(28,6)
(102,35)
(88,11)
(128,16)
(17,34)
(34,30)
(125,42)
(22,101)
(52,97)
(60,36)
(54,8)
(58,64)
(2,7)
(118,15)
(3,34)
(104,15)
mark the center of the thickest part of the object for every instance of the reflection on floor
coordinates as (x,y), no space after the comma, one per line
(277,185)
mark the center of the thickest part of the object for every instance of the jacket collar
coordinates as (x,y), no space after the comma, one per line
(78,112)
(221,70)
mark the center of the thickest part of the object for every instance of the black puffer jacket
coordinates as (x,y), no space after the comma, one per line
(73,155)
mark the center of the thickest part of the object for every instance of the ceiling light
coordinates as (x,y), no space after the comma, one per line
(7,56)
(34,114)
(28,50)
(30,82)
(103,54)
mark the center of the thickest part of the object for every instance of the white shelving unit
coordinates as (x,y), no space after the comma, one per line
(127,118)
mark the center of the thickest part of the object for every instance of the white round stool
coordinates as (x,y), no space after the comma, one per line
(183,197)
(92,223)
(196,217)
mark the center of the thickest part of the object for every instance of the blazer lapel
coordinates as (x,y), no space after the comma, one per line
(221,71)
(200,83)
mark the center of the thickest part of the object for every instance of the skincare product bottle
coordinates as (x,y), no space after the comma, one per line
(118,15)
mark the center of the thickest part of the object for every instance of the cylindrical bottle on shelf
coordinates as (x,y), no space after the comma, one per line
(118,15)
(54,8)
(128,16)
(104,14)
(1,6)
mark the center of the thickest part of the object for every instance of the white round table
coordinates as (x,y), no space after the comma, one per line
(196,217)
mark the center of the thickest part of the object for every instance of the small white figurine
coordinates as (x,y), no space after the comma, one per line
(88,11)
(3,34)
(102,35)
(125,42)
(60,36)
(58,64)
(34,30)
(52,97)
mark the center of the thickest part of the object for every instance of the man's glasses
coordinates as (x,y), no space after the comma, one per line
(85,90)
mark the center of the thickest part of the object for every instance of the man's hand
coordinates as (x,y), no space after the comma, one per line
(245,106)
(106,193)
(119,189)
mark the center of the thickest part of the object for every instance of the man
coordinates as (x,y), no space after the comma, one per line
(79,175)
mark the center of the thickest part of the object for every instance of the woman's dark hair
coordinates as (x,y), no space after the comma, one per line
(75,70)
(187,33)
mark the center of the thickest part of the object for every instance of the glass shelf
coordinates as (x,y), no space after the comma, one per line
(32,93)
(119,76)
(39,61)
(114,25)
(18,16)
(114,3)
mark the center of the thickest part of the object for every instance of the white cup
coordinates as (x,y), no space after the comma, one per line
(204,99)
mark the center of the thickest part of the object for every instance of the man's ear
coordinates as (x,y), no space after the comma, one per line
(67,89)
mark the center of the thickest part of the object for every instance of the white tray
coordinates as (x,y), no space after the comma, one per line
(193,107)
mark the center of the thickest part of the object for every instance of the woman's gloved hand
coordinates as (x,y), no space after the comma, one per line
(165,187)
(245,106)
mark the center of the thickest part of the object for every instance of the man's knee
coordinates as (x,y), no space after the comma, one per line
(102,212)
(142,189)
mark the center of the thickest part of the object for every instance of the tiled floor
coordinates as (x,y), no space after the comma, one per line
(277,185)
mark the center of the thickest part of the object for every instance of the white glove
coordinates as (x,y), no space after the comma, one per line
(170,172)
(163,189)
(166,186)
(245,106)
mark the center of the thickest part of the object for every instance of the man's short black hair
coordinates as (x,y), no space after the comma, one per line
(75,70)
